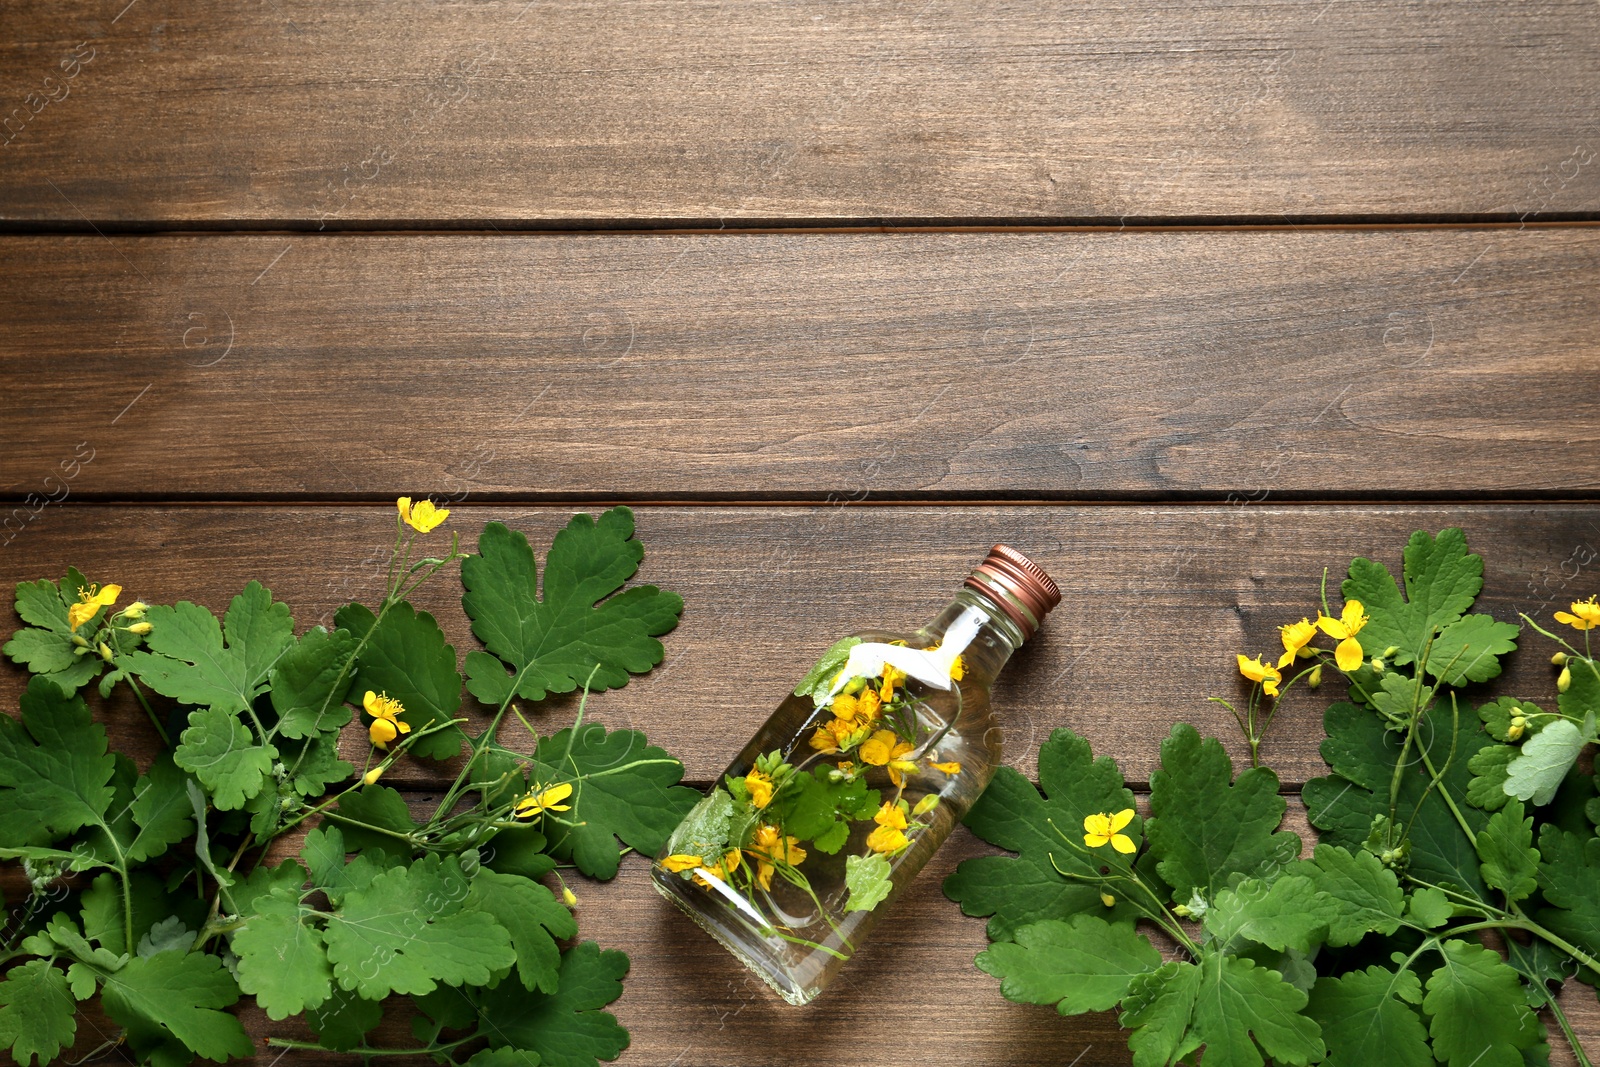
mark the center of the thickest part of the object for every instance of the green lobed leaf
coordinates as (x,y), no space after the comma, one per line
(1505,845)
(1233,1008)
(316,764)
(407,932)
(1442,580)
(45,646)
(1429,908)
(1202,829)
(819,679)
(622,787)
(1012,814)
(868,878)
(407,657)
(1081,964)
(340,1021)
(1477,1015)
(1363,756)
(578,631)
(533,917)
(37,1016)
(169,935)
(175,995)
(377,808)
(1490,767)
(1288,912)
(1538,770)
(282,961)
(162,810)
(1569,876)
(309,683)
(1469,649)
(193,659)
(55,771)
(1370,1017)
(225,755)
(564,1028)
(814,808)
(1158,1009)
(1365,895)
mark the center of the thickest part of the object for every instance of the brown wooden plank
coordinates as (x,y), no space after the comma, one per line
(311,114)
(688,1003)
(979,365)
(1157,601)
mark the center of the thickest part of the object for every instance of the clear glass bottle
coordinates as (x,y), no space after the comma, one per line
(861,773)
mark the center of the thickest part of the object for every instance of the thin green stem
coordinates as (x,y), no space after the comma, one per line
(1566,1027)
(312,1046)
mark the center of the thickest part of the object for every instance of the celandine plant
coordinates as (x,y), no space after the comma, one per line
(1454,885)
(156,891)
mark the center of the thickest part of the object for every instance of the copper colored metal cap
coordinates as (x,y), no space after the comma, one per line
(1019,586)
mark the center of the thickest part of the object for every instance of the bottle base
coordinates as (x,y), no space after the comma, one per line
(754,954)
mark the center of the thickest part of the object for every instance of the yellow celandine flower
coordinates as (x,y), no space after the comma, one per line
(950,768)
(885,749)
(958,669)
(720,871)
(568,897)
(1257,671)
(824,740)
(1296,636)
(889,836)
(682,862)
(1348,654)
(1585,614)
(386,724)
(892,676)
(90,601)
(846,707)
(1101,829)
(769,848)
(868,704)
(543,799)
(423,516)
(760,787)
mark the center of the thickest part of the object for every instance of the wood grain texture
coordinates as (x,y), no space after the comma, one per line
(552,113)
(1157,601)
(1068,366)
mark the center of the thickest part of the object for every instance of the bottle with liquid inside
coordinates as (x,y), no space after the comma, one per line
(839,800)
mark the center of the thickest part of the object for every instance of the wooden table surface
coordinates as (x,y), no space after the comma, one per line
(1187,300)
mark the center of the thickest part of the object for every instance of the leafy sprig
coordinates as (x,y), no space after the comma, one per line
(157,892)
(1437,826)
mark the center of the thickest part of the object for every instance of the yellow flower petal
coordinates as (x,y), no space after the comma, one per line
(879,748)
(1124,844)
(887,839)
(951,768)
(90,601)
(682,862)
(760,787)
(891,816)
(1348,655)
(1353,616)
(1121,819)
(381,732)
(423,516)
(1099,825)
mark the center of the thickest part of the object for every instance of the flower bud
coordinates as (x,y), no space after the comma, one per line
(926,804)
(140,628)
(1377,665)
(1315,678)
(1514,731)
(1558,660)
(372,775)
(1181,911)
(82,650)
(568,897)
(105,651)
(1389,653)
(1564,680)
(1108,900)
(135,610)
(81,641)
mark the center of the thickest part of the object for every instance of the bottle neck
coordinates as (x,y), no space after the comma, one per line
(996,639)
